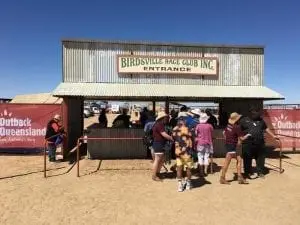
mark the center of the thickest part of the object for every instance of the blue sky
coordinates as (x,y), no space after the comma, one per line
(30,56)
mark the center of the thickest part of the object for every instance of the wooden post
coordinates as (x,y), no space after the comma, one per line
(167,106)
(153,106)
(78,158)
(45,161)
(65,121)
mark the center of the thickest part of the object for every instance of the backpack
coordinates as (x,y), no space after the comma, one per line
(148,137)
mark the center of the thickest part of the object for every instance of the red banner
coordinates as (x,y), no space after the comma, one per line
(286,124)
(24,125)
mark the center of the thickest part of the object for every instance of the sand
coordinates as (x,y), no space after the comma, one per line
(121,192)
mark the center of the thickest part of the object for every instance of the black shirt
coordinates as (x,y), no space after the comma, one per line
(213,121)
(122,121)
(254,127)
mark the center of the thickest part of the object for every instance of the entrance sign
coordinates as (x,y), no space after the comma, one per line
(24,125)
(167,65)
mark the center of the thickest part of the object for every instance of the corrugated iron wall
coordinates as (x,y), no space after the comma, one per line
(97,62)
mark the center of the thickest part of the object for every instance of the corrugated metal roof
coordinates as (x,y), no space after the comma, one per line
(155,43)
(40,98)
(149,91)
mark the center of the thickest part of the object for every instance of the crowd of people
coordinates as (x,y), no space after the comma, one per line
(190,134)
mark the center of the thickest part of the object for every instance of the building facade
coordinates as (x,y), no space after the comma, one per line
(232,76)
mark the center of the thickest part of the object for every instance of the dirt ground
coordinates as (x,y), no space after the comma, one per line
(121,192)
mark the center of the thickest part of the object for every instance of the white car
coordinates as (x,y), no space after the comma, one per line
(115,108)
(87,113)
(95,110)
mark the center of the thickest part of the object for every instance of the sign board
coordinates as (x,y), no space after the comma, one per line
(134,64)
(24,125)
(285,123)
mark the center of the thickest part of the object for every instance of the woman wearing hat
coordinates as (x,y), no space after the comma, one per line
(160,137)
(232,134)
(204,132)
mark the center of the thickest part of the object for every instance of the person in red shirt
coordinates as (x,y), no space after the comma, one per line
(233,135)
(160,137)
(53,136)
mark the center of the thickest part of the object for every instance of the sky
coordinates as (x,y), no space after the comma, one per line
(31,33)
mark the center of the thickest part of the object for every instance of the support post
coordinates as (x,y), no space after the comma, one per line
(167,106)
(280,157)
(65,119)
(45,161)
(153,106)
(78,158)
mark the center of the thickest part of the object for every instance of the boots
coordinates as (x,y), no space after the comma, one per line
(241,180)
(223,180)
(202,171)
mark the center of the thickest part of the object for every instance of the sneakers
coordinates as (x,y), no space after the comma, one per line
(180,186)
(188,185)
(184,185)
(251,176)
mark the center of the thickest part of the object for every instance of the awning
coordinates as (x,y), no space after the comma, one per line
(40,98)
(112,91)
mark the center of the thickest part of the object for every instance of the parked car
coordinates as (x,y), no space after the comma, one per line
(87,113)
(115,108)
(93,104)
(95,110)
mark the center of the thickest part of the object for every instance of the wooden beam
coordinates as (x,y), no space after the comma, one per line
(167,106)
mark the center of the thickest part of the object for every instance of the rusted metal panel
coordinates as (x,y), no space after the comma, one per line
(116,149)
(97,62)
(131,149)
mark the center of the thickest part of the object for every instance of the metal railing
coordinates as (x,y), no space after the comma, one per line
(84,138)
(77,149)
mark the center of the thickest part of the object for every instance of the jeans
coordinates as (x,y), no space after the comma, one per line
(51,152)
(256,151)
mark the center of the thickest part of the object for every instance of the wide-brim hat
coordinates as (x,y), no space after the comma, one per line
(182,114)
(203,118)
(161,115)
(234,117)
(196,112)
(57,117)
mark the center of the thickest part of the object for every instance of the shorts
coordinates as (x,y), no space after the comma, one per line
(151,150)
(232,149)
(158,147)
(205,149)
(186,162)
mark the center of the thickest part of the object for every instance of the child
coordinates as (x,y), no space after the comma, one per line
(204,132)
(183,146)
(232,134)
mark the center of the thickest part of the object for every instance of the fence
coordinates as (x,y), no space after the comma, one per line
(77,149)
